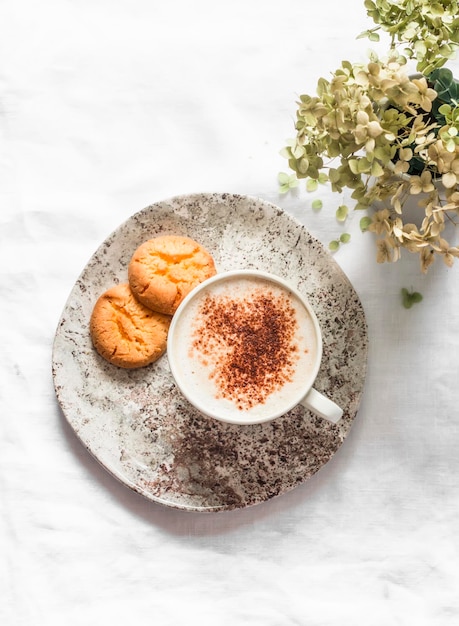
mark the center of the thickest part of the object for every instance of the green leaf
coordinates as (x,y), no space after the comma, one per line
(365,223)
(420,48)
(341,213)
(298,152)
(333,175)
(311,185)
(437,9)
(354,166)
(410,297)
(406,299)
(286,182)
(369,34)
(333,245)
(445,109)
(345,238)
(286,152)
(376,169)
(316,205)
(303,165)
(416,297)
(282,178)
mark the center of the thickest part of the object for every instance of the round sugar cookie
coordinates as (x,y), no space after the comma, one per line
(125,332)
(163,270)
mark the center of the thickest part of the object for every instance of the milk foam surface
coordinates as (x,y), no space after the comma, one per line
(227,341)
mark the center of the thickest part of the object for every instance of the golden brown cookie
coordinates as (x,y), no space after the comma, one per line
(125,332)
(165,269)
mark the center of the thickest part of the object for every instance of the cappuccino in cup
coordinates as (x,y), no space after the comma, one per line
(244,347)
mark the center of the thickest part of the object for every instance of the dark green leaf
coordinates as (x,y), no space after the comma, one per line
(410,297)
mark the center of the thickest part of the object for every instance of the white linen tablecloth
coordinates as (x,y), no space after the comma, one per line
(105,108)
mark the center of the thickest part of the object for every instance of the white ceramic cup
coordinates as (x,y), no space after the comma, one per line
(245,347)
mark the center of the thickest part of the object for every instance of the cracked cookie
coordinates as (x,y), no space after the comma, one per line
(163,270)
(125,332)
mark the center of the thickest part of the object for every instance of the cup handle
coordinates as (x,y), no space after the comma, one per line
(322,406)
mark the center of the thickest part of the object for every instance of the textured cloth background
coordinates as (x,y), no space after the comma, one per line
(105,108)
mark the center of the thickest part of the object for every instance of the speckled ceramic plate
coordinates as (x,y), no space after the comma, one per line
(138,425)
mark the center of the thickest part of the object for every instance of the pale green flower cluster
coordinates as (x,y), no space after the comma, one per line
(425,30)
(370,129)
(350,118)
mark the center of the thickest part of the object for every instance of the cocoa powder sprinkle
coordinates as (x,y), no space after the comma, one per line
(247,343)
